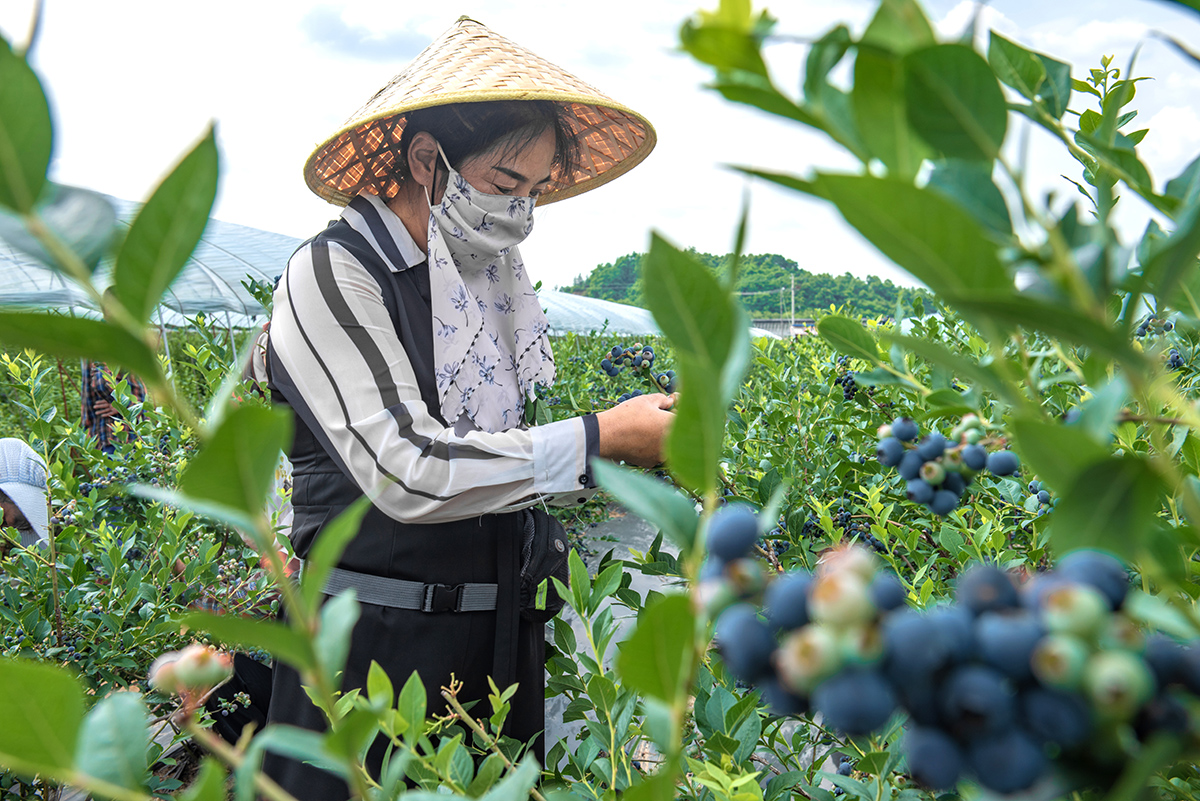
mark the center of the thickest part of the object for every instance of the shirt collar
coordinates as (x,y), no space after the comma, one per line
(369,215)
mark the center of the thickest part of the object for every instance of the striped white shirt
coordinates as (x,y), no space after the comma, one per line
(339,362)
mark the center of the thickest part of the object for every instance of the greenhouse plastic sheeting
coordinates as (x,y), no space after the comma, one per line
(211,284)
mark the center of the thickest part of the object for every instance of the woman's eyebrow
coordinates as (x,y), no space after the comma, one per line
(516,176)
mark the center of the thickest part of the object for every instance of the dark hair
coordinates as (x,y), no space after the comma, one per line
(465,130)
(21,523)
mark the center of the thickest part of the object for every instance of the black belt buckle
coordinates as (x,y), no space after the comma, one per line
(442,598)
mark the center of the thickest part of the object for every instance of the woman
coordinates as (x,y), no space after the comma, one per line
(406,337)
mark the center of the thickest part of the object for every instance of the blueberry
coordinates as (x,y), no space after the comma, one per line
(786,601)
(1043,497)
(1002,463)
(1056,716)
(857,701)
(913,649)
(780,700)
(845,768)
(909,466)
(975,456)
(1166,659)
(617,351)
(1034,487)
(956,630)
(1118,683)
(920,491)
(1008,762)
(986,588)
(745,643)
(889,451)
(1006,642)
(1163,713)
(605,365)
(732,532)
(932,446)
(904,429)
(975,701)
(887,591)
(934,759)
(1099,570)
(944,502)
(955,483)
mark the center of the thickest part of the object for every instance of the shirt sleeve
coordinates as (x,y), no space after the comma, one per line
(337,360)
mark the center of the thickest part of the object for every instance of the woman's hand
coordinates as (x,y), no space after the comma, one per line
(634,431)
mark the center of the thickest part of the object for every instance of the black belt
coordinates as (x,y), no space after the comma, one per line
(403,594)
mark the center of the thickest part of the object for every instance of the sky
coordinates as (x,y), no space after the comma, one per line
(133,85)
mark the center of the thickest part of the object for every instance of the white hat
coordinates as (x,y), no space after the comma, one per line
(23,479)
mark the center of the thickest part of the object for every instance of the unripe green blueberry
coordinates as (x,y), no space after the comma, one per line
(861,645)
(972,436)
(933,473)
(806,657)
(855,559)
(746,577)
(885,430)
(1118,683)
(953,460)
(1075,609)
(1059,661)
(841,599)
(1121,633)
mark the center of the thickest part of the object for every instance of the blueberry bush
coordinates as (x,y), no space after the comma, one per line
(949,551)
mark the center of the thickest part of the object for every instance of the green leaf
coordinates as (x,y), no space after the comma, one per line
(411,707)
(823,56)
(42,709)
(166,230)
(970,185)
(972,372)
(1111,505)
(209,785)
(849,337)
(1120,160)
(516,785)
(328,549)
(954,102)
(1057,453)
(237,467)
(760,93)
(1185,187)
(332,643)
(379,687)
(580,583)
(923,232)
(899,26)
(656,660)
(880,113)
(722,46)
(77,338)
(1056,91)
(1175,257)
(26,132)
(82,220)
(659,786)
(710,335)
(1014,65)
(873,763)
(653,500)
(112,742)
(276,639)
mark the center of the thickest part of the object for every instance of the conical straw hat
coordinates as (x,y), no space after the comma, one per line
(471,63)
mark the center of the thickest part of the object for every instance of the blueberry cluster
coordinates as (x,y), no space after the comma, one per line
(1152,325)
(938,470)
(1006,685)
(854,529)
(638,358)
(1040,497)
(1174,359)
(847,383)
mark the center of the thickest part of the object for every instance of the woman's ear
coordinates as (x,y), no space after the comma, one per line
(422,159)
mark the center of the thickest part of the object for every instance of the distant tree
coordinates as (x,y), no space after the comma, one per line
(765,281)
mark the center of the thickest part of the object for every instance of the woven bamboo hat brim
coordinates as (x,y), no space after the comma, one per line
(471,63)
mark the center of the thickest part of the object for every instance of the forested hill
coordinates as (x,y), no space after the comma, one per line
(764,280)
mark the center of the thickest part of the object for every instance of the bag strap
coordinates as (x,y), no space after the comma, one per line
(508,600)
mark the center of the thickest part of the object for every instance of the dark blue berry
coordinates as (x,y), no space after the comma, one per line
(944,502)
(932,446)
(1006,641)
(856,701)
(974,456)
(976,700)
(913,649)
(887,591)
(904,429)
(781,701)
(1002,463)
(786,601)
(1165,658)
(732,532)
(1056,716)
(889,451)
(920,491)
(934,759)
(745,643)
(845,768)
(986,588)
(1043,497)
(909,466)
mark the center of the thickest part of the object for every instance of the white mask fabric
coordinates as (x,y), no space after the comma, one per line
(490,335)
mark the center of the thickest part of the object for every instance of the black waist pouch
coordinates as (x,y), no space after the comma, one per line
(543,555)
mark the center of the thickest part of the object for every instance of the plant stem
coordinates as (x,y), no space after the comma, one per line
(265,784)
(473,724)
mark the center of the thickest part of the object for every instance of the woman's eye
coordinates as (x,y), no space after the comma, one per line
(504,190)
